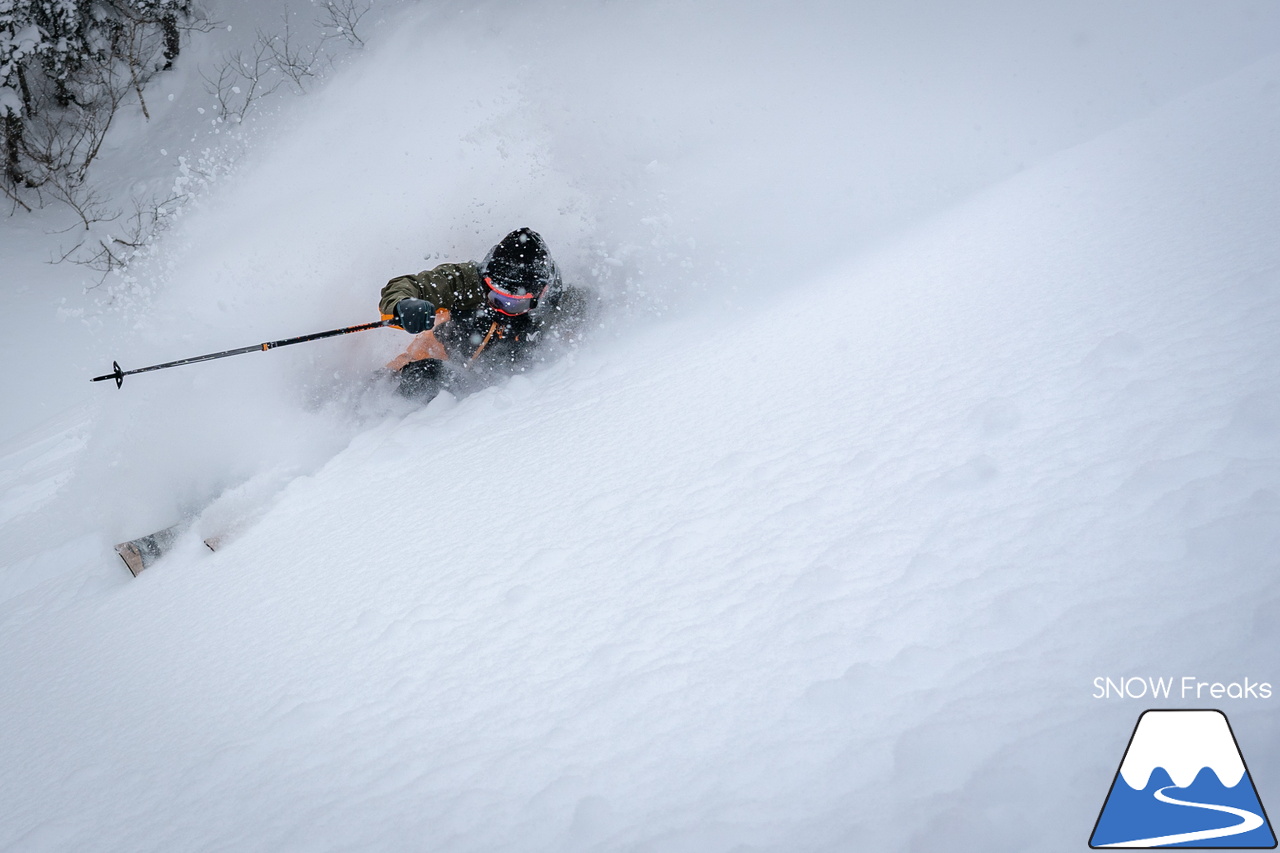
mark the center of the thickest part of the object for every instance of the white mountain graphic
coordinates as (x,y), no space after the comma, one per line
(1183,743)
(1183,806)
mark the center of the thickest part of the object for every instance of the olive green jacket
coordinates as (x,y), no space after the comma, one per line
(454,286)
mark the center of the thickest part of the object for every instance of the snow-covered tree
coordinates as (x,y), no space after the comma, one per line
(65,68)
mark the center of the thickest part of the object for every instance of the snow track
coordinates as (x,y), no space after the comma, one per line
(1248,822)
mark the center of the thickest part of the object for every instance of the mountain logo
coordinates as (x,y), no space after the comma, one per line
(1183,783)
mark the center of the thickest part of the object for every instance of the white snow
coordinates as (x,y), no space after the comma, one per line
(939,425)
(10,102)
(1183,743)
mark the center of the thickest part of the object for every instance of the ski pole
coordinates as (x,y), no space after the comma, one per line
(118,375)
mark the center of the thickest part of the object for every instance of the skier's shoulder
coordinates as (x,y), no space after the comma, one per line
(454,275)
(455,286)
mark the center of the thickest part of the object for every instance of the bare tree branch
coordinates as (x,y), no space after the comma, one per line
(113,254)
(297,62)
(343,18)
(240,80)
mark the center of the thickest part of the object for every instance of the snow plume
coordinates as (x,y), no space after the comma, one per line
(662,147)
(684,156)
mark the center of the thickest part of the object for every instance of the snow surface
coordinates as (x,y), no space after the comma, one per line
(935,429)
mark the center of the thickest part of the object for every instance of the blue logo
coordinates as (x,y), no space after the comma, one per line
(1183,783)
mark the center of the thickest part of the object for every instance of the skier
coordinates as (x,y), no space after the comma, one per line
(471,320)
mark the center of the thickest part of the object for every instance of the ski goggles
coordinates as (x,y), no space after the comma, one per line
(510,304)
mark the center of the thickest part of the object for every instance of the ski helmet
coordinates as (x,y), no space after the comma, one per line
(518,272)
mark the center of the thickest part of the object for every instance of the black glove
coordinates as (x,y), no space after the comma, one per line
(415,315)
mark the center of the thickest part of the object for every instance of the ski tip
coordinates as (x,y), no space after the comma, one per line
(132,557)
(140,553)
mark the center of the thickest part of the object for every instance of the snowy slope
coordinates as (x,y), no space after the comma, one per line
(777,576)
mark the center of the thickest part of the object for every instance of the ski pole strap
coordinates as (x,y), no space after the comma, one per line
(118,375)
(493,328)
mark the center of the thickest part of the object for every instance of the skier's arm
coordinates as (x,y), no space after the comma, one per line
(456,287)
(401,287)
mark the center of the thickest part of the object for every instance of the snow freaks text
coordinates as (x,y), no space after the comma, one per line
(1186,687)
